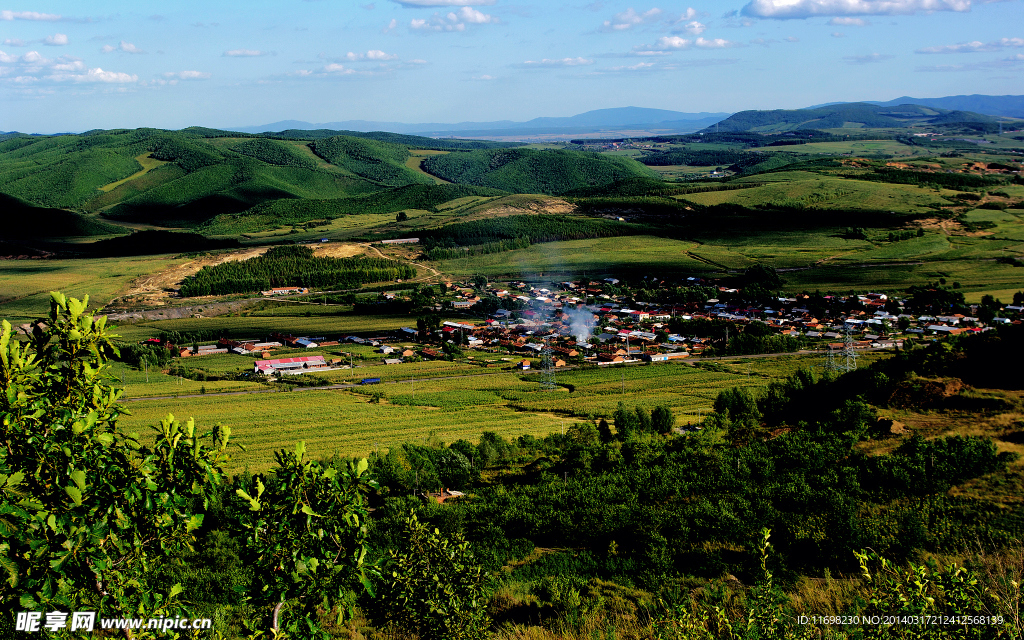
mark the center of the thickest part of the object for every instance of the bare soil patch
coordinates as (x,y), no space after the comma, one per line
(159,289)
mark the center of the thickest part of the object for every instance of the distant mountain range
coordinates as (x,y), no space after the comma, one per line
(1006,106)
(597,121)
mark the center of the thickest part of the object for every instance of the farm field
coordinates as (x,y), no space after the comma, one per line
(248,326)
(353,422)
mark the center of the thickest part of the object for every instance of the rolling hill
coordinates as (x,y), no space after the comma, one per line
(853,115)
(1006,106)
(224,183)
(533,170)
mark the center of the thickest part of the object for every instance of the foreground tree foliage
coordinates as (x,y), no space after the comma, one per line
(87,512)
(432,586)
(306,530)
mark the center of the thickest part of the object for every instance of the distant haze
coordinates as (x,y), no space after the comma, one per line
(597,121)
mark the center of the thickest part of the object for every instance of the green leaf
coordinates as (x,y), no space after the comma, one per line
(362,466)
(78,477)
(75,494)
(175,590)
(194,523)
(308,511)
(300,449)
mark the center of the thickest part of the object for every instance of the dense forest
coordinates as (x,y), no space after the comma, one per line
(532,170)
(292,266)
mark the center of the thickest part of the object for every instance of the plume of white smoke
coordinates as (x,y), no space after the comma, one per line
(581,323)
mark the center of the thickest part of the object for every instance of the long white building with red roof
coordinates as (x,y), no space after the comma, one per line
(300,364)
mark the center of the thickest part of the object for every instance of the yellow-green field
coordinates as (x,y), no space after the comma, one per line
(824,192)
(25,285)
(353,422)
(148,164)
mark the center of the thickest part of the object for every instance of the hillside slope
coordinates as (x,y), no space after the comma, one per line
(534,171)
(845,115)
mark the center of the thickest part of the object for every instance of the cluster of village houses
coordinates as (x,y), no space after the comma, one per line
(570,323)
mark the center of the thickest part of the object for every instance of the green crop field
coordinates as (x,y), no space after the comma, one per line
(247,326)
(353,422)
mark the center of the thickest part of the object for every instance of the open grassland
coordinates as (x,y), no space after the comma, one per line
(148,164)
(416,158)
(859,148)
(25,285)
(825,192)
(639,255)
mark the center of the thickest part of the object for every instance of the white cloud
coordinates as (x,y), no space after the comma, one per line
(127,47)
(484,77)
(444,3)
(868,59)
(245,53)
(56,40)
(696,28)
(187,75)
(667,43)
(563,62)
(976,46)
(338,69)
(373,54)
(641,66)
(28,15)
(838,34)
(715,43)
(94,76)
(631,18)
(791,39)
(417,61)
(15,42)
(391,25)
(849,22)
(453,21)
(783,9)
(377,54)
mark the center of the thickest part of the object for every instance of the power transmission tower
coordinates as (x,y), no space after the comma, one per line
(849,355)
(842,360)
(547,368)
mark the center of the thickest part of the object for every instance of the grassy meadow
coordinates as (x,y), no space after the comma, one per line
(25,285)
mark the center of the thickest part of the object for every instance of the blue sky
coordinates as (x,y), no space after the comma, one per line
(73,66)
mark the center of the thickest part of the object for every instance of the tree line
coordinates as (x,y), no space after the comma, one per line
(292,266)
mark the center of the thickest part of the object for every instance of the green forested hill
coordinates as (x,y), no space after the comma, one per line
(190,177)
(533,170)
(381,162)
(22,220)
(844,115)
(273,213)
